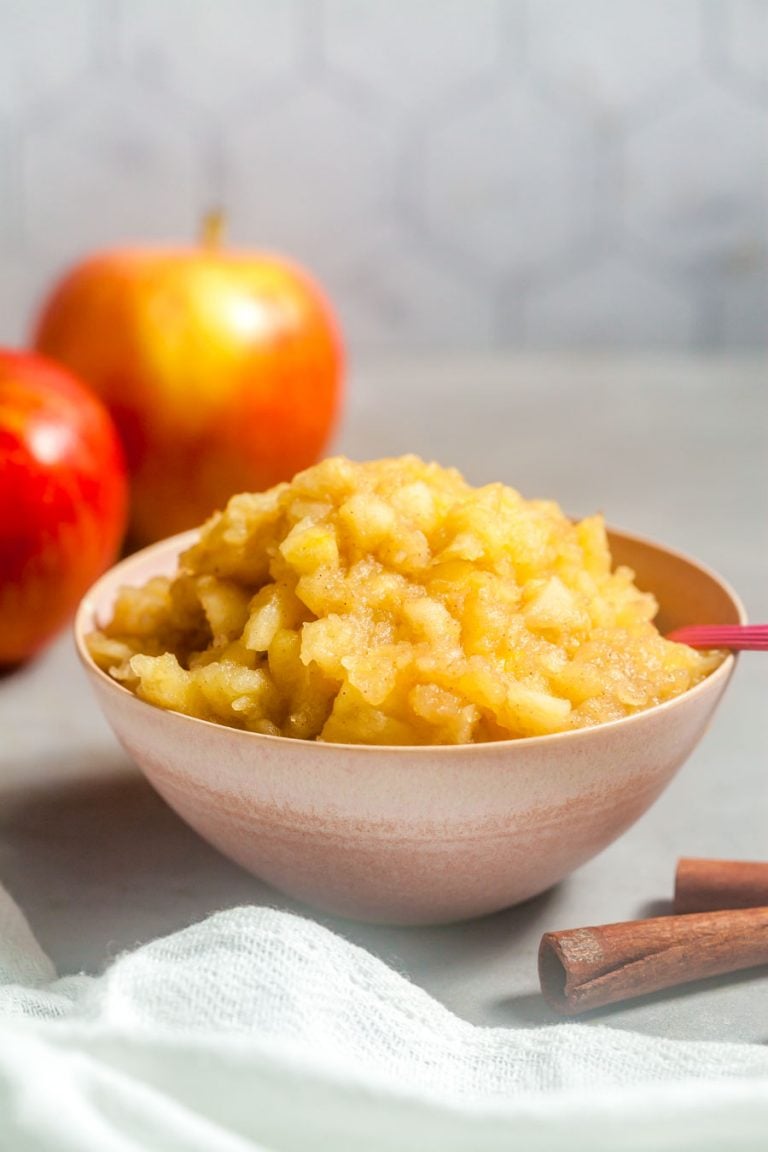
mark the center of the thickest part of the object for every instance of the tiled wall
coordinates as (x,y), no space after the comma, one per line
(459,173)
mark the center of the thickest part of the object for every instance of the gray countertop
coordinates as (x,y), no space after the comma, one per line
(671,448)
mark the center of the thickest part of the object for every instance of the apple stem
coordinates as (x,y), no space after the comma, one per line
(212,231)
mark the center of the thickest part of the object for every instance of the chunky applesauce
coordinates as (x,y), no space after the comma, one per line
(390,602)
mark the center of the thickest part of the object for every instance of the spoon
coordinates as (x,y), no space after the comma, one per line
(737,637)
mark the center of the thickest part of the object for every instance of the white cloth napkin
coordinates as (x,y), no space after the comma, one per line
(257,1029)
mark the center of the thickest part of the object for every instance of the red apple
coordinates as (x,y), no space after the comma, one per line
(63,499)
(221,369)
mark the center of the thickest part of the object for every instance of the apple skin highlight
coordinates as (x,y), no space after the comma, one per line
(63,499)
(221,369)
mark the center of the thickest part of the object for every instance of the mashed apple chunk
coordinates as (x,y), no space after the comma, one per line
(390,602)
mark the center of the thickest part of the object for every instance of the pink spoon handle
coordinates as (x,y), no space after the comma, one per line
(737,637)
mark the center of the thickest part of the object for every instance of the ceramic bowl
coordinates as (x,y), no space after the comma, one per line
(417,835)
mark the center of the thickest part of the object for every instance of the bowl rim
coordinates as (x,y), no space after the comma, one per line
(85,618)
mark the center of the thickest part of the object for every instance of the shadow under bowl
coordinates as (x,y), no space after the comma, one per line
(417,835)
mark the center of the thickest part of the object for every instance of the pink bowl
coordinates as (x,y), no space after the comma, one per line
(417,835)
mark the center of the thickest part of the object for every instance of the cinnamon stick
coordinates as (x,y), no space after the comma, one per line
(703,885)
(588,967)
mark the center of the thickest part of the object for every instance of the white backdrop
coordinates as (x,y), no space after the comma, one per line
(459,173)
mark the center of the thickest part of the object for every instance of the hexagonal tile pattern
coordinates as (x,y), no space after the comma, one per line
(44,46)
(109,167)
(743,44)
(610,304)
(401,296)
(696,183)
(312,178)
(455,172)
(613,56)
(507,183)
(411,56)
(214,55)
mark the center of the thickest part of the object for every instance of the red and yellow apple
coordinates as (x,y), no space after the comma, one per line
(63,499)
(221,369)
